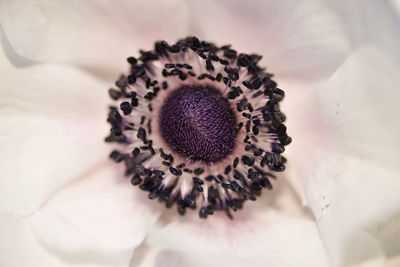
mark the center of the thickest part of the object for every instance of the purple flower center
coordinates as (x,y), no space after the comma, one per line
(198,123)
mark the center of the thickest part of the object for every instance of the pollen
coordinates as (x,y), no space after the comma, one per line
(198,126)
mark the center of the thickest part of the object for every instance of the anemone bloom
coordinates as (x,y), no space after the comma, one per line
(190,134)
(64,203)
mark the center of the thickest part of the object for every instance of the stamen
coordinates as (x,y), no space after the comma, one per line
(198,125)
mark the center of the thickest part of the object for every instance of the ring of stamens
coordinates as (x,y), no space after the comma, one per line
(241,137)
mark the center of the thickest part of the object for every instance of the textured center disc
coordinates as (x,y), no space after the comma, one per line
(198,123)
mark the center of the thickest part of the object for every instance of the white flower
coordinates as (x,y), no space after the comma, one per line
(62,203)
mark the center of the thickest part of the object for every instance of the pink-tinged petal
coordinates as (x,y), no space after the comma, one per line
(345,160)
(273,231)
(19,246)
(53,127)
(95,34)
(299,39)
(99,219)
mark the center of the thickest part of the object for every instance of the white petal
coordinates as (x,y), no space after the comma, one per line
(297,38)
(53,127)
(393,262)
(346,158)
(371,22)
(145,256)
(172,258)
(351,114)
(396,5)
(273,231)
(100,219)
(19,246)
(357,207)
(361,107)
(96,34)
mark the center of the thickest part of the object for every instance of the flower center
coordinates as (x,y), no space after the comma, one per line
(198,123)
(188,143)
